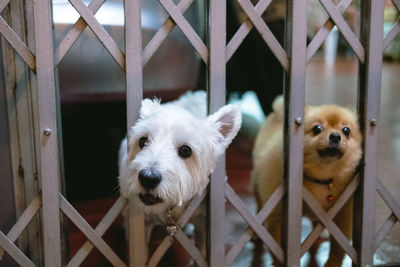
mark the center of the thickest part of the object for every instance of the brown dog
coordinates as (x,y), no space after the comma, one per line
(332,150)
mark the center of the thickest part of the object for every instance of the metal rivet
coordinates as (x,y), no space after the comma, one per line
(372,122)
(298,121)
(47,132)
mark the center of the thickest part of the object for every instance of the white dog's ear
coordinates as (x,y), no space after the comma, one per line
(227,121)
(148,107)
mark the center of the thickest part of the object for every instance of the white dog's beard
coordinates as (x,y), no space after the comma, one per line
(150,209)
(149,199)
(165,195)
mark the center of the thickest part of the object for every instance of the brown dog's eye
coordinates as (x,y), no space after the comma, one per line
(185,151)
(346,131)
(317,129)
(143,142)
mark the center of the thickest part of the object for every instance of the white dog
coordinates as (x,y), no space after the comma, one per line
(171,152)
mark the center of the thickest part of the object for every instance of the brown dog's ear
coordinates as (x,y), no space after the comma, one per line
(227,121)
(353,109)
(307,107)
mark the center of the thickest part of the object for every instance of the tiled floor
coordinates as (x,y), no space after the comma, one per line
(325,84)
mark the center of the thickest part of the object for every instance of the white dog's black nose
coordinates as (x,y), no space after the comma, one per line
(149,178)
(334,138)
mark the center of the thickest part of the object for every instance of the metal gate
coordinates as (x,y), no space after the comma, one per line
(41,58)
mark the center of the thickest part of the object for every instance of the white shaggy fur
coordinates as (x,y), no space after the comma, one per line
(168,127)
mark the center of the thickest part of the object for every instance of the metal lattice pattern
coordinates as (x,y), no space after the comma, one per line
(14,40)
(325,218)
(100,229)
(393,217)
(132,61)
(94,235)
(394,31)
(329,215)
(7,241)
(323,32)
(254,16)
(344,28)
(181,237)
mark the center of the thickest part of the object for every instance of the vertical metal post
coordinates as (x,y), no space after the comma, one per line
(217,94)
(370,74)
(49,156)
(295,45)
(134,95)
(21,92)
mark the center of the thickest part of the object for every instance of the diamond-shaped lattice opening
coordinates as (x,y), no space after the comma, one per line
(153,17)
(64,16)
(252,65)
(382,211)
(243,242)
(159,28)
(196,16)
(111,16)
(28,241)
(76,239)
(273,16)
(323,219)
(163,249)
(318,254)
(107,28)
(239,165)
(323,254)
(196,235)
(387,233)
(32,234)
(234,228)
(174,65)
(93,212)
(176,255)
(89,68)
(247,257)
(391,30)
(389,250)
(324,35)
(316,17)
(185,26)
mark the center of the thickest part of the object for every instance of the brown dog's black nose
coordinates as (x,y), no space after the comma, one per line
(334,138)
(149,178)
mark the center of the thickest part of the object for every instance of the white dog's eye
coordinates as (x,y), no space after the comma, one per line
(143,142)
(317,129)
(346,131)
(185,151)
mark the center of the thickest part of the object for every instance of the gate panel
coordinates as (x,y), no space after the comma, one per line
(49,155)
(216,98)
(294,93)
(370,74)
(216,53)
(134,94)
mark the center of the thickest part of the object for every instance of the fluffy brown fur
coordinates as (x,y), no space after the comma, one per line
(325,157)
